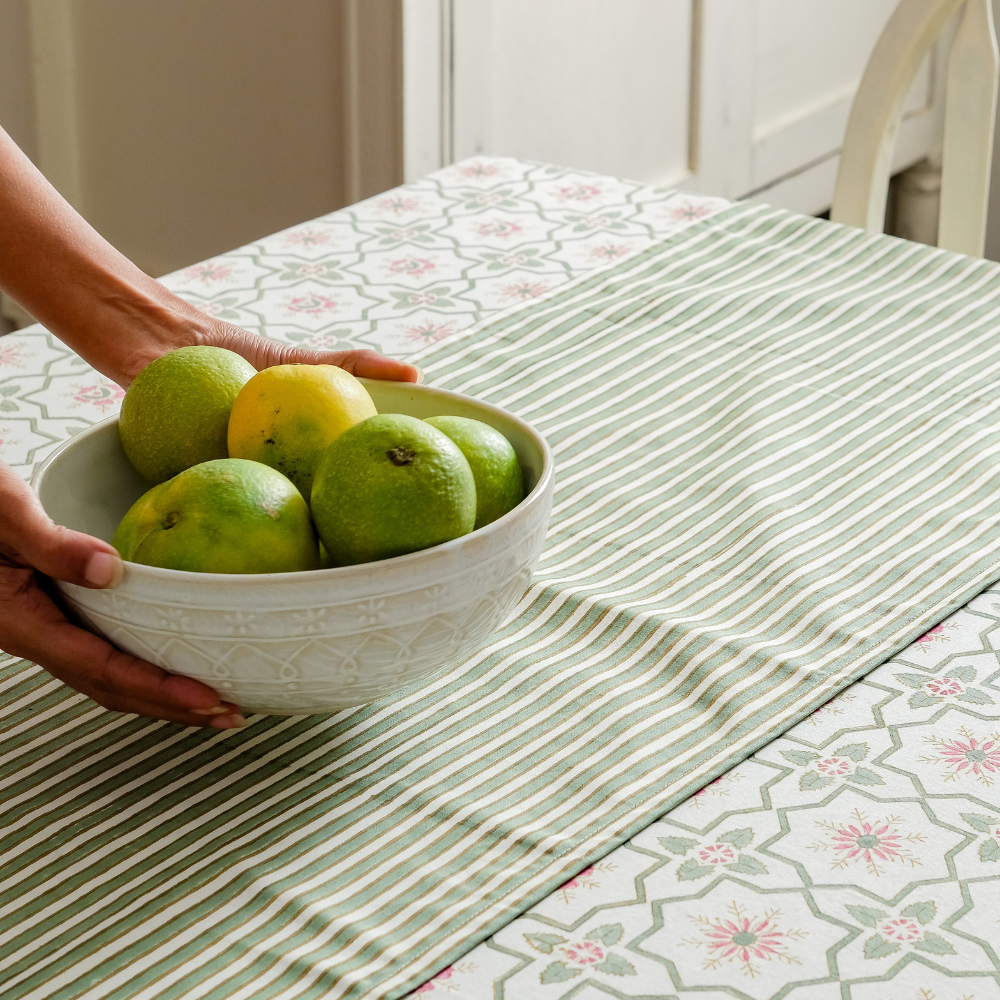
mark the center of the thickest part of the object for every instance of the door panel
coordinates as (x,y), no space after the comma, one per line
(597,85)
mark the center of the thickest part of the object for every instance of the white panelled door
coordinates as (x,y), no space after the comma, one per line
(741,98)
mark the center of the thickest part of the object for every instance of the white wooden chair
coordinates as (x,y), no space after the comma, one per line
(970,106)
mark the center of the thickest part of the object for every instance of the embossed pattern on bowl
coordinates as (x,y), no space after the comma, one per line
(300,643)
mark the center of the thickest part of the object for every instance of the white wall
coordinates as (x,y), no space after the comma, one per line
(201,124)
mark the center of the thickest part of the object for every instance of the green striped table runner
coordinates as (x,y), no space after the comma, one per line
(778,463)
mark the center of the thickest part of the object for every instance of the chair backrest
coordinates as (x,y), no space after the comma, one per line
(970,107)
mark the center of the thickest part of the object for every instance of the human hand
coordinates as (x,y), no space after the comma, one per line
(173,323)
(33,627)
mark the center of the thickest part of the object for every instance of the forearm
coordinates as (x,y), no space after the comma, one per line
(75,283)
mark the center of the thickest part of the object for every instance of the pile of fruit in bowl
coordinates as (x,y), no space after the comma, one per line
(298,539)
(250,466)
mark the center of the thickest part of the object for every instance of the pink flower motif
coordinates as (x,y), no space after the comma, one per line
(834,766)
(429,331)
(931,634)
(208,272)
(397,204)
(717,854)
(579,192)
(102,395)
(443,975)
(577,880)
(308,237)
(404,234)
(523,289)
(311,303)
(479,170)
(711,785)
(866,841)
(688,212)
(902,929)
(501,229)
(608,251)
(412,266)
(12,355)
(744,938)
(944,686)
(976,756)
(583,953)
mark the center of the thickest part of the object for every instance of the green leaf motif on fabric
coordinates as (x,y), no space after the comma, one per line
(865,776)
(747,865)
(866,915)
(934,944)
(544,942)
(690,869)
(738,838)
(677,845)
(911,680)
(980,822)
(557,972)
(615,965)
(607,934)
(975,697)
(966,673)
(877,947)
(989,850)
(921,699)
(811,780)
(800,757)
(924,912)
(856,751)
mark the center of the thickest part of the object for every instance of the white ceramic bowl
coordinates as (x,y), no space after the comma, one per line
(299,643)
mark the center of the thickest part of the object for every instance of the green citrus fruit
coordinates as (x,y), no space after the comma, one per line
(391,485)
(224,516)
(287,416)
(499,485)
(176,412)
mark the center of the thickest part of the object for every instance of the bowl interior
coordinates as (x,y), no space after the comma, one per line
(89,484)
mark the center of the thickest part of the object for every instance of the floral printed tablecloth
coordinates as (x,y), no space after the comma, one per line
(854,857)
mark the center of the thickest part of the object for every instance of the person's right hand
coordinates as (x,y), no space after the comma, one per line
(33,627)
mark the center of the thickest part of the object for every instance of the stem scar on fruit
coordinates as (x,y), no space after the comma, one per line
(400,456)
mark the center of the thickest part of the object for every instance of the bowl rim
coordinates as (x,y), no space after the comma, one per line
(537,496)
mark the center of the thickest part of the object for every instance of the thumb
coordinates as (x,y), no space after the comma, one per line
(28,537)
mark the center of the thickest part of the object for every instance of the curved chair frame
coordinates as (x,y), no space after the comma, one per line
(970,108)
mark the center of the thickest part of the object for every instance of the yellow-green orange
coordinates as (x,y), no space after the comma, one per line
(176,412)
(391,485)
(287,416)
(499,484)
(224,516)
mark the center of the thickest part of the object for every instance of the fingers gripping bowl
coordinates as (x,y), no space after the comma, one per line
(318,641)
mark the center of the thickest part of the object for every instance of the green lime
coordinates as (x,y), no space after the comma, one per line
(176,412)
(229,515)
(499,484)
(389,485)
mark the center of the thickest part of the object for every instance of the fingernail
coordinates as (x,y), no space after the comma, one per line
(420,373)
(228,722)
(104,570)
(218,710)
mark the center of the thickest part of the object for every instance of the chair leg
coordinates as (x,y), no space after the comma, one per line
(970,110)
